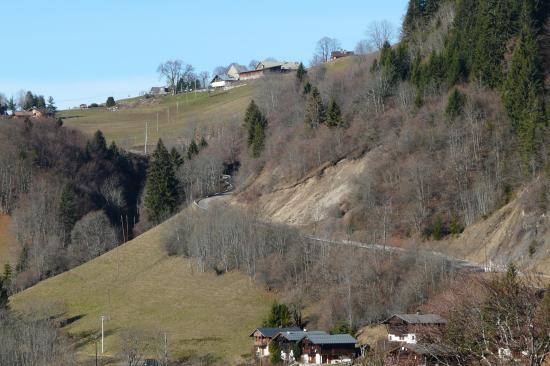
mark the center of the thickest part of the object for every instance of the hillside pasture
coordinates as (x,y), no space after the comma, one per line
(179,117)
(139,287)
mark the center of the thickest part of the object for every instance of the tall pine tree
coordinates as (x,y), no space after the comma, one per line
(334,114)
(301,73)
(68,212)
(161,195)
(522,90)
(315,113)
(256,124)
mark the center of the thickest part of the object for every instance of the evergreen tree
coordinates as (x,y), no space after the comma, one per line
(68,213)
(255,124)
(192,150)
(455,104)
(301,73)
(315,113)
(522,90)
(12,106)
(203,143)
(177,159)
(110,102)
(7,277)
(307,88)
(4,297)
(279,316)
(334,114)
(51,105)
(161,193)
(23,261)
(98,144)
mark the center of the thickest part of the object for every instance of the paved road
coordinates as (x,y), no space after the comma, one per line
(458,263)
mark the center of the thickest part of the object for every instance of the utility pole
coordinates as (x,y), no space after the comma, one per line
(96,351)
(102,333)
(145,139)
(165,350)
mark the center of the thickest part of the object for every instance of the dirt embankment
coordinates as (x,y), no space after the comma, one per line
(517,232)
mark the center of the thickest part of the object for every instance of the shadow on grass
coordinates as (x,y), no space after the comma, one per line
(72,319)
(88,337)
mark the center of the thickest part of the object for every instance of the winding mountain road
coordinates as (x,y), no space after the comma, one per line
(457,263)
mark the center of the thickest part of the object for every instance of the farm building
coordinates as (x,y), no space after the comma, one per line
(420,355)
(328,348)
(269,67)
(264,335)
(335,55)
(288,343)
(160,90)
(222,81)
(409,328)
(234,70)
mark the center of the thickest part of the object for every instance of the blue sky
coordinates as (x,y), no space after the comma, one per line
(84,51)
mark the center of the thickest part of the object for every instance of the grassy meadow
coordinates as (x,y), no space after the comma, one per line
(178,116)
(137,286)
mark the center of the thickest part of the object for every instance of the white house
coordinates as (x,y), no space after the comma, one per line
(222,81)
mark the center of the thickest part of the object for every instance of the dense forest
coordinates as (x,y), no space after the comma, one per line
(71,199)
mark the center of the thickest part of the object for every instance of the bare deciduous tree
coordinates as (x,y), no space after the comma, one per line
(204,76)
(380,32)
(325,46)
(172,71)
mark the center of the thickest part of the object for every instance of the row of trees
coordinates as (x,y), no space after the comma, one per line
(180,76)
(26,101)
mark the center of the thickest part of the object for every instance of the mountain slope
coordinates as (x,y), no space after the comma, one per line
(137,286)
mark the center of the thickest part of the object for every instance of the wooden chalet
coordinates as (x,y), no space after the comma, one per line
(262,337)
(328,348)
(413,328)
(335,55)
(269,67)
(289,343)
(420,355)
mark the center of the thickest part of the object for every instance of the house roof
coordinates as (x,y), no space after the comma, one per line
(223,77)
(331,339)
(295,336)
(271,332)
(239,68)
(285,65)
(428,349)
(419,318)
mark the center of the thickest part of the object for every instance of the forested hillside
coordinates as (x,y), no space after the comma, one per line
(71,199)
(447,126)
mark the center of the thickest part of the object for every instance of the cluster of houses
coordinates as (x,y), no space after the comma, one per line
(407,343)
(236,73)
(305,347)
(33,113)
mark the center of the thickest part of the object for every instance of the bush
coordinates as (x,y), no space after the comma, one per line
(110,102)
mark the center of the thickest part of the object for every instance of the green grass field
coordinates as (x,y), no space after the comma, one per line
(178,116)
(137,286)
